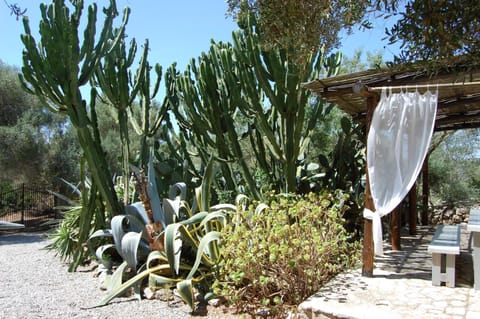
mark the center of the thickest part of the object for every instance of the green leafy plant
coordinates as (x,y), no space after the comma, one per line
(277,255)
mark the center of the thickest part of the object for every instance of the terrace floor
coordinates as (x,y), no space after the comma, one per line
(401,286)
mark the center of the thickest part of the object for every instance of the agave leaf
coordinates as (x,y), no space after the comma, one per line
(175,235)
(202,193)
(197,218)
(226,207)
(119,225)
(137,210)
(197,204)
(184,204)
(173,246)
(152,191)
(126,285)
(98,234)
(101,256)
(66,199)
(133,248)
(318,176)
(260,208)
(135,225)
(117,278)
(185,290)
(173,193)
(218,216)
(171,210)
(156,281)
(101,233)
(157,257)
(213,254)
(74,188)
(241,201)
(209,295)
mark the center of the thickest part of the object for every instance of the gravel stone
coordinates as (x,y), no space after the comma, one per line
(36,284)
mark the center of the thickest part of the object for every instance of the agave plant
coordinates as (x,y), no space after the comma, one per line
(175,245)
(81,216)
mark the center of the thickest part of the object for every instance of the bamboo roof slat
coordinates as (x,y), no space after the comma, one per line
(458,92)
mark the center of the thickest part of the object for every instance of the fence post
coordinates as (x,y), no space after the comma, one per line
(23,203)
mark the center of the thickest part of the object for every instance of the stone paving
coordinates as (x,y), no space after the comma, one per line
(401,287)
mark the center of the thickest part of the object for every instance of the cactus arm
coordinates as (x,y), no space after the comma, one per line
(158,71)
(247,50)
(113,79)
(162,113)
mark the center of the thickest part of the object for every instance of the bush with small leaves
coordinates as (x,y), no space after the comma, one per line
(277,255)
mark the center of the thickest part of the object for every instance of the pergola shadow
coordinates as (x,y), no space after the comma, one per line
(414,262)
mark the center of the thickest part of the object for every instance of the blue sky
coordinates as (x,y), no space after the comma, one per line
(177,30)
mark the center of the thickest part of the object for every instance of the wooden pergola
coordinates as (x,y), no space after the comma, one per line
(358,94)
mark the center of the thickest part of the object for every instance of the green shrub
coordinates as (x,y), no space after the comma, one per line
(277,255)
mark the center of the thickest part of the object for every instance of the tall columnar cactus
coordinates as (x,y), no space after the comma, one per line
(113,76)
(272,82)
(151,117)
(57,67)
(208,110)
(263,90)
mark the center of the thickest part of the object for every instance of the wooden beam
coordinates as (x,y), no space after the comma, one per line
(454,127)
(425,191)
(368,251)
(412,210)
(424,86)
(395,227)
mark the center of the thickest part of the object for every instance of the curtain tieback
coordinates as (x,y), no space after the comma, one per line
(377,230)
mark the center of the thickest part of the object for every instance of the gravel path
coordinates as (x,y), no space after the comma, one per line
(36,284)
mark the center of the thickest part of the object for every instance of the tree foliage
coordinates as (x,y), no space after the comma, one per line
(306,25)
(453,167)
(425,29)
(438,30)
(37,145)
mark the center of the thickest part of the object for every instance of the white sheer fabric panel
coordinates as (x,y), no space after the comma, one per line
(398,140)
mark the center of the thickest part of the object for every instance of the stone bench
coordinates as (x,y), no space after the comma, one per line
(444,246)
(10,226)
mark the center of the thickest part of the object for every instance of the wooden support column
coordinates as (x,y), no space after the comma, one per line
(396,225)
(412,210)
(425,191)
(368,250)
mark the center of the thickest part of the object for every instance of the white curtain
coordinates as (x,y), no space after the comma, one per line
(398,140)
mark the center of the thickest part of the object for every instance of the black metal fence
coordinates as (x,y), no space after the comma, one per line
(30,205)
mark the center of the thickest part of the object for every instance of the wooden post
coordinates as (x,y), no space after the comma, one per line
(396,225)
(368,251)
(425,191)
(412,210)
